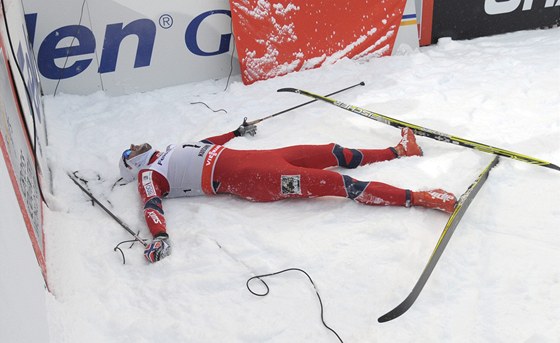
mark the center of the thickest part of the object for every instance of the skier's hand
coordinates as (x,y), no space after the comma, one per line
(245,128)
(158,249)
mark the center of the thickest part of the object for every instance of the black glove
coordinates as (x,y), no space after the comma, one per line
(245,128)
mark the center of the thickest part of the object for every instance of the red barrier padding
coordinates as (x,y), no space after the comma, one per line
(277,37)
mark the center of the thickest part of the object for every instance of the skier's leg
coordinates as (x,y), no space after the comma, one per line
(262,176)
(377,193)
(333,155)
(267,177)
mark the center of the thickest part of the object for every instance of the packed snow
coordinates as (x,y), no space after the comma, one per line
(497,281)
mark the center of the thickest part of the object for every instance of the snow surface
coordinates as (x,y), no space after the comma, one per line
(497,281)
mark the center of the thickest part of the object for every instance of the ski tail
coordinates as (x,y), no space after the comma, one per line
(426,132)
(462,205)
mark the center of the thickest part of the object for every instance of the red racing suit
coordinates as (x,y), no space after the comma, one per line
(207,167)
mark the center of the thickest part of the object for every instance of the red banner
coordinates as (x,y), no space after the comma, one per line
(277,37)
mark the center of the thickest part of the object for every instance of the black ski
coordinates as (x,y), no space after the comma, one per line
(422,131)
(462,205)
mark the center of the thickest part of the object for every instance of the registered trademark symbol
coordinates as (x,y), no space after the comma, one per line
(166,21)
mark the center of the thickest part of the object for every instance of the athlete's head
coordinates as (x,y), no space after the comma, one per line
(134,159)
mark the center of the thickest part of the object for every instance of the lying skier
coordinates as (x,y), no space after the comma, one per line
(207,167)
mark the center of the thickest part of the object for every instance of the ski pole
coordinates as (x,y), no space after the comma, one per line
(256,121)
(117,219)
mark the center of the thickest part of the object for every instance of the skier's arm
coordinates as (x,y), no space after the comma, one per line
(226,137)
(220,140)
(152,186)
